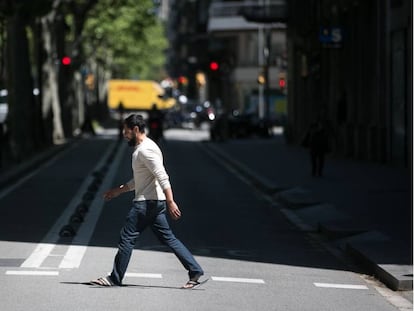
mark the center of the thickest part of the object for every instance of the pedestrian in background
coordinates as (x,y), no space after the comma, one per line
(318,139)
(155,124)
(153,197)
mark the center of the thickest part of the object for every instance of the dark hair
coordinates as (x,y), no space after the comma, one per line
(135,120)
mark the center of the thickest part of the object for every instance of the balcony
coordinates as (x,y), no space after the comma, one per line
(234,16)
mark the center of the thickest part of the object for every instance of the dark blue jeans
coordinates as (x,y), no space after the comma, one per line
(143,214)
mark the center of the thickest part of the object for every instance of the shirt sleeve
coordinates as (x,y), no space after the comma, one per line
(131,185)
(153,161)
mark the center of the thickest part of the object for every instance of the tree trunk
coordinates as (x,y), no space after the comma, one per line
(20,89)
(50,99)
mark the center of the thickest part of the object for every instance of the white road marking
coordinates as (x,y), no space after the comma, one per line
(77,250)
(40,253)
(43,250)
(344,286)
(144,275)
(238,280)
(73,257)
(38,272)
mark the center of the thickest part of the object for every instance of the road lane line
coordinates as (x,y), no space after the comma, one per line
(343,286)
(144,275)
(238,280)
(43,249)
(40,253)
(36,273)
(77,250)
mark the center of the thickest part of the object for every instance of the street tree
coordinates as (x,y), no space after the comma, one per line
(109,38)
(24,133)
(127,38)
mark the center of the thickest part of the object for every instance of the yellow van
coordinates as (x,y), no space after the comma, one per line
(137,95)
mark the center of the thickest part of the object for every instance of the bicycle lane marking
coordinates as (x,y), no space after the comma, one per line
(80,242)
(48,243)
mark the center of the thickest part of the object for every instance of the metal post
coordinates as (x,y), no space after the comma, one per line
(266,71)
(261,66)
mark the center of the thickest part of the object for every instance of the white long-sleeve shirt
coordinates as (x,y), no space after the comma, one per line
(150,177)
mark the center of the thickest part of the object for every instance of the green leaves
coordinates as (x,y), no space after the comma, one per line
(126,36)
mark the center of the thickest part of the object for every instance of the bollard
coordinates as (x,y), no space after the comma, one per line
(67,231)
(76,217)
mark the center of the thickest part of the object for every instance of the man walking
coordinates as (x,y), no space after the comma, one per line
(153,196)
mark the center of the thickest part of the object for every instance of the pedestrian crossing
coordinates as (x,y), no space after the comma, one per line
(223,279)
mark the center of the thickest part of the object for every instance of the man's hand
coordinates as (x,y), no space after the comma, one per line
(112,193)
(174,211)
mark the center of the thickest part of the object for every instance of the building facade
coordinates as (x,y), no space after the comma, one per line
(243,51)
(352,59)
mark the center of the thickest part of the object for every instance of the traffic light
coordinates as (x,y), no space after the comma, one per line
(200,78)
(182,80)
(66,60)
(214,66)
(261,79)
(282,83)
(90,81)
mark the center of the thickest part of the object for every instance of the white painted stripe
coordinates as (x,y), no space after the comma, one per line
(39,272)
(345,286)
(77,250)
(143,275)
(38,255)
(43,250)
(239,280)
(73,257)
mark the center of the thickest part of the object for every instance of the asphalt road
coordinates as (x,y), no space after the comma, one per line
(254,257)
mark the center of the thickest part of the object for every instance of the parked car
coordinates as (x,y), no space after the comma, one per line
(4,108)
(236,125)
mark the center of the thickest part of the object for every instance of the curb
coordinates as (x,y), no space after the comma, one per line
(379,258)
(376,252)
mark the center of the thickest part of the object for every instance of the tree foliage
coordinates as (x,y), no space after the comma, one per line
(105,38)
(127,37)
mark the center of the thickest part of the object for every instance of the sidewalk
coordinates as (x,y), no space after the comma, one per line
(363,207)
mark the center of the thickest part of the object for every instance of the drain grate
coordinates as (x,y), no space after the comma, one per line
(11,262)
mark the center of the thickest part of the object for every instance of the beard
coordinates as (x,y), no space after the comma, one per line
(132,142)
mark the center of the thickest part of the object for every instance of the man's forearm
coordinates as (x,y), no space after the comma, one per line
(168,195)
(114,192)
(128,186)
(124,188)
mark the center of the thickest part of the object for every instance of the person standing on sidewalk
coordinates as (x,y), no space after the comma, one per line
(153,197)
(318,139)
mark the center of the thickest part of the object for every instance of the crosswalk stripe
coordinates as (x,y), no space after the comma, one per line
(37,257)
(41,273)
(143,275)
(344,286)
(238,280)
